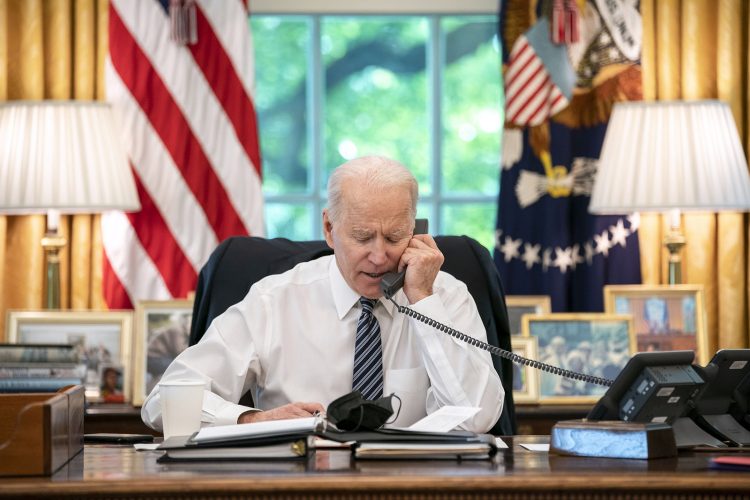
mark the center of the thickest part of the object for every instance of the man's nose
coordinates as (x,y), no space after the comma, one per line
(378,254)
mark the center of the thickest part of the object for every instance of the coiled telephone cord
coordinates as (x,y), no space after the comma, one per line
(502,353)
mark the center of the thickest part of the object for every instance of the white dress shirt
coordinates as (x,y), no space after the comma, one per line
(291,339)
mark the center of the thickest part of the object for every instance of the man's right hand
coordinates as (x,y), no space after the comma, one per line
(291,410)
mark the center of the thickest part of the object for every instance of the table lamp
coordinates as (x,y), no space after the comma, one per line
(61,157)
(671,156)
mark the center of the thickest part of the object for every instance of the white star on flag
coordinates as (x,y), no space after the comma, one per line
(602,243)
(563,260)
(531,255)
(635,221)
(510,248)
(619,233)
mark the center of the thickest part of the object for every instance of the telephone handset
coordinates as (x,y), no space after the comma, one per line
(392,282)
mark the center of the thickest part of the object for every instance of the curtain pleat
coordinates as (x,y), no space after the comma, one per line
(650,254)
(731,240)
(51,49)
(97,251)
(23,279)
(84,78)
(58,36)
(700,51)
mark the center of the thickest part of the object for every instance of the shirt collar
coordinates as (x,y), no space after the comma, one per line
(344,297)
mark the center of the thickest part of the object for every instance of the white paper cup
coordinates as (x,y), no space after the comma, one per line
(181,404)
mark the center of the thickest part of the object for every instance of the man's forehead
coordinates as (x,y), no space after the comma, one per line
(394,227)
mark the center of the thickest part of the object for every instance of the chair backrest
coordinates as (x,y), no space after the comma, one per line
(238,262)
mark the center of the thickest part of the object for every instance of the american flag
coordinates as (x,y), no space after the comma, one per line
(188,123)
(538,82)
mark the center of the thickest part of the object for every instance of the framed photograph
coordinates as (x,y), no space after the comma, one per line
(665,317)
(595,344)
(525,378)
(103,338)
(162,331)
(518,305)
(111,383)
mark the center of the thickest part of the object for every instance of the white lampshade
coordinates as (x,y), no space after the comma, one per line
(64,156)
(671,155)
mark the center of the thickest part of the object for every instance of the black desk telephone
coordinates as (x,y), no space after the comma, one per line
(391,283)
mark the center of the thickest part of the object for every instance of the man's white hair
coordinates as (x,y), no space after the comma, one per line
(375,172)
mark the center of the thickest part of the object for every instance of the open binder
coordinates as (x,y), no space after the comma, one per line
(292,438)
(277,439)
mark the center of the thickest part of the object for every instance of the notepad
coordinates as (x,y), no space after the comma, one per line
(731,463)
(236,432)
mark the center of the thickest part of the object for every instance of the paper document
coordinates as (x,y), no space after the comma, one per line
(445,419)
(536,446)
(500,444)
(146,446)
(320,443)
(269,428)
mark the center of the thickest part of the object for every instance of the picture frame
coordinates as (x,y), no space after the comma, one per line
(518,305)
(525,378)
(162,331)
(598,344)
(103,337)
(665,317)
(111,383)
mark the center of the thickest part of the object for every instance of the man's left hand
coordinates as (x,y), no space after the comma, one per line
(422,260)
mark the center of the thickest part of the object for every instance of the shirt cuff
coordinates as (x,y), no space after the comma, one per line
(222,412)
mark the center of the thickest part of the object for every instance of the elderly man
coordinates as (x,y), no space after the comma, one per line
(301,339)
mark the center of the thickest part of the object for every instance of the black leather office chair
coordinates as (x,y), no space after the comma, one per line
(239,262)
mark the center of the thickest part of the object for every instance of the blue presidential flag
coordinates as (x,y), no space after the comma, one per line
(546,241)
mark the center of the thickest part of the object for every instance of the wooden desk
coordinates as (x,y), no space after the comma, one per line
(119,471)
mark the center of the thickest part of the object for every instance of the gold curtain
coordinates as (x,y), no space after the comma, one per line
(698,49)
(51,49)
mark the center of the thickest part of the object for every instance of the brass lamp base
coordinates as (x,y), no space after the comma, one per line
(674,241)
(52,242)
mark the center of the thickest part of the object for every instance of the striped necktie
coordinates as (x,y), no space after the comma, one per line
(368,353)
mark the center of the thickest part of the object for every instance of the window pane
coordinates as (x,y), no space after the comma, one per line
(280,101)
(424,211)
(293,221)
(472,111)
(472,219)
(376,92)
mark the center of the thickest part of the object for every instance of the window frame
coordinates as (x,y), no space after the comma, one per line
(432,12)
(381,7)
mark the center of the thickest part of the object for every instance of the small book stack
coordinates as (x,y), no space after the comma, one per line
(292,438)
(39,367)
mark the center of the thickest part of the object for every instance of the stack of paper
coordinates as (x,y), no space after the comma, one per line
(289,439)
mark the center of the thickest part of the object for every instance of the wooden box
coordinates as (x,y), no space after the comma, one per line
(39,433)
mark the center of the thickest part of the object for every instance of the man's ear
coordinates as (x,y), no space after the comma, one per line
(327,229)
